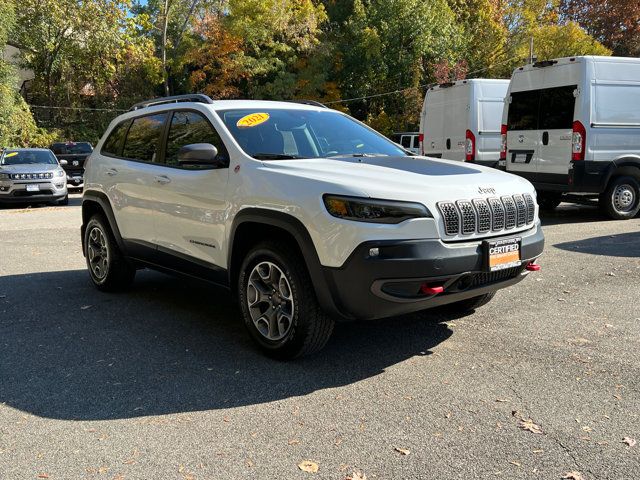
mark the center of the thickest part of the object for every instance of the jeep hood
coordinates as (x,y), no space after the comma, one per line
(420,179)
(29,168)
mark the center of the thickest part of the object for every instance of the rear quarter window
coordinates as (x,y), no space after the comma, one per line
(113,144)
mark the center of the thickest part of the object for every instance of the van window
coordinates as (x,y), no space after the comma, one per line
(142,138)
(544,109)
(113,145)
(523,110)
(188,128)
(416,142)
(405,141)
(556,108)
(617,104)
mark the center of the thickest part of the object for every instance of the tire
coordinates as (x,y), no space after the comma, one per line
(621,199)
(470,304)
(273,280)
(549,201)
(64,201)
(109,270)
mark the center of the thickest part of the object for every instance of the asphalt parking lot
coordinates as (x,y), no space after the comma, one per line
(163,382)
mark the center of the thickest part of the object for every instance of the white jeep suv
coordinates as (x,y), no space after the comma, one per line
(307,215)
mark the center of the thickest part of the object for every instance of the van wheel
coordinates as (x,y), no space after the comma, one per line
(549,201)
(621,200)
(109,270)
(278,302)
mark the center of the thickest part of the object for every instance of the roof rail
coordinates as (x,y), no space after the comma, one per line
(191,97)
(308,102)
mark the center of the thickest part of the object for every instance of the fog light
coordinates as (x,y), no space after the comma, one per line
(374,252)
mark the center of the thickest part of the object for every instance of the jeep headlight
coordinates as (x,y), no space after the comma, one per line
(372,210)
(59,173)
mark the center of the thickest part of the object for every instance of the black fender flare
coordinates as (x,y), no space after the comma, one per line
(103,201)
(299,232)
(621,163)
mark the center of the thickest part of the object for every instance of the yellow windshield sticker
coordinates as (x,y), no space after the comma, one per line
(10,154)
(252,120)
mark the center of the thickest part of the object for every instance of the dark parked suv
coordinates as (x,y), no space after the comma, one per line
(72,156)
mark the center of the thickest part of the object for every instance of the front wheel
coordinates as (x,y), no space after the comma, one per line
(64,201)
(278,302)
(109,270)
(621,200)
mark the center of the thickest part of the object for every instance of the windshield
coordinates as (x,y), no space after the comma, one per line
(275,134)
(71,148)
(27,157)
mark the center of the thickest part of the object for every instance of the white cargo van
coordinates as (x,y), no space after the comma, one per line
(408,141)
(461,120)
(572,126)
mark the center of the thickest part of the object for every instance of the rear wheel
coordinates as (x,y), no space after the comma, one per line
(278,302)
(621,200)
(109,270)
(549,201)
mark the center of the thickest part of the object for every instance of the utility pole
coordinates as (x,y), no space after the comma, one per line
(165,25)
(531,50)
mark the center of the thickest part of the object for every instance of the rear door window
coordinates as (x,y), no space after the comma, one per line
(556,108)
(416,142)
(113,144)
(406,141)
(142,138)
(544,109)
(523,110)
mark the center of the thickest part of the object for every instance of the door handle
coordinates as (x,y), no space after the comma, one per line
(545,138)
(112,172)
(162,179)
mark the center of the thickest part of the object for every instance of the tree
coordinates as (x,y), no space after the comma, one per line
(614,23)
(17,127)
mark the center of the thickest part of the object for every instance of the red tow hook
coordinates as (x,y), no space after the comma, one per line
(427,290)
(532,267)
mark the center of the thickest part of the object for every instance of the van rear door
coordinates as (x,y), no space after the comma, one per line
(523,137)
(556,126)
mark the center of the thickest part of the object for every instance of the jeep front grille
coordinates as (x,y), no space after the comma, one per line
(31,176)
(494,214)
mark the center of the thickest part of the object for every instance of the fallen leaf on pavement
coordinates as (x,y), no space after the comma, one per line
(308,466)
(517,464)
(294,441)
(357,475)
(574,476)
(629,441)
(85,307)
(402,451)
(43,475)
(529,426)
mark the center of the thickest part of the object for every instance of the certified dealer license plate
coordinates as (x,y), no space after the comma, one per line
(33,188)
(503,254)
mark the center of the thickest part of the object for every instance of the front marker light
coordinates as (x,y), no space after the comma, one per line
(372,210)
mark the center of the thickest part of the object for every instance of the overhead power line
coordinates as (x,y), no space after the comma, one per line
(80,108)
(426,85)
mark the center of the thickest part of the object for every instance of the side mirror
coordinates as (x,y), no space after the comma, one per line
(200,155)
(63,163)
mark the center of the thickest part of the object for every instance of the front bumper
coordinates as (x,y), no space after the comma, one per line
(18,192)
(367,287)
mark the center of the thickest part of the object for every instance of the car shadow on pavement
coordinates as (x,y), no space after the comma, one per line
(167,346)
(619,245)
(568,213)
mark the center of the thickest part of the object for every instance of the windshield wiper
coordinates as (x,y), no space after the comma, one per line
(274,156)
(358,155)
